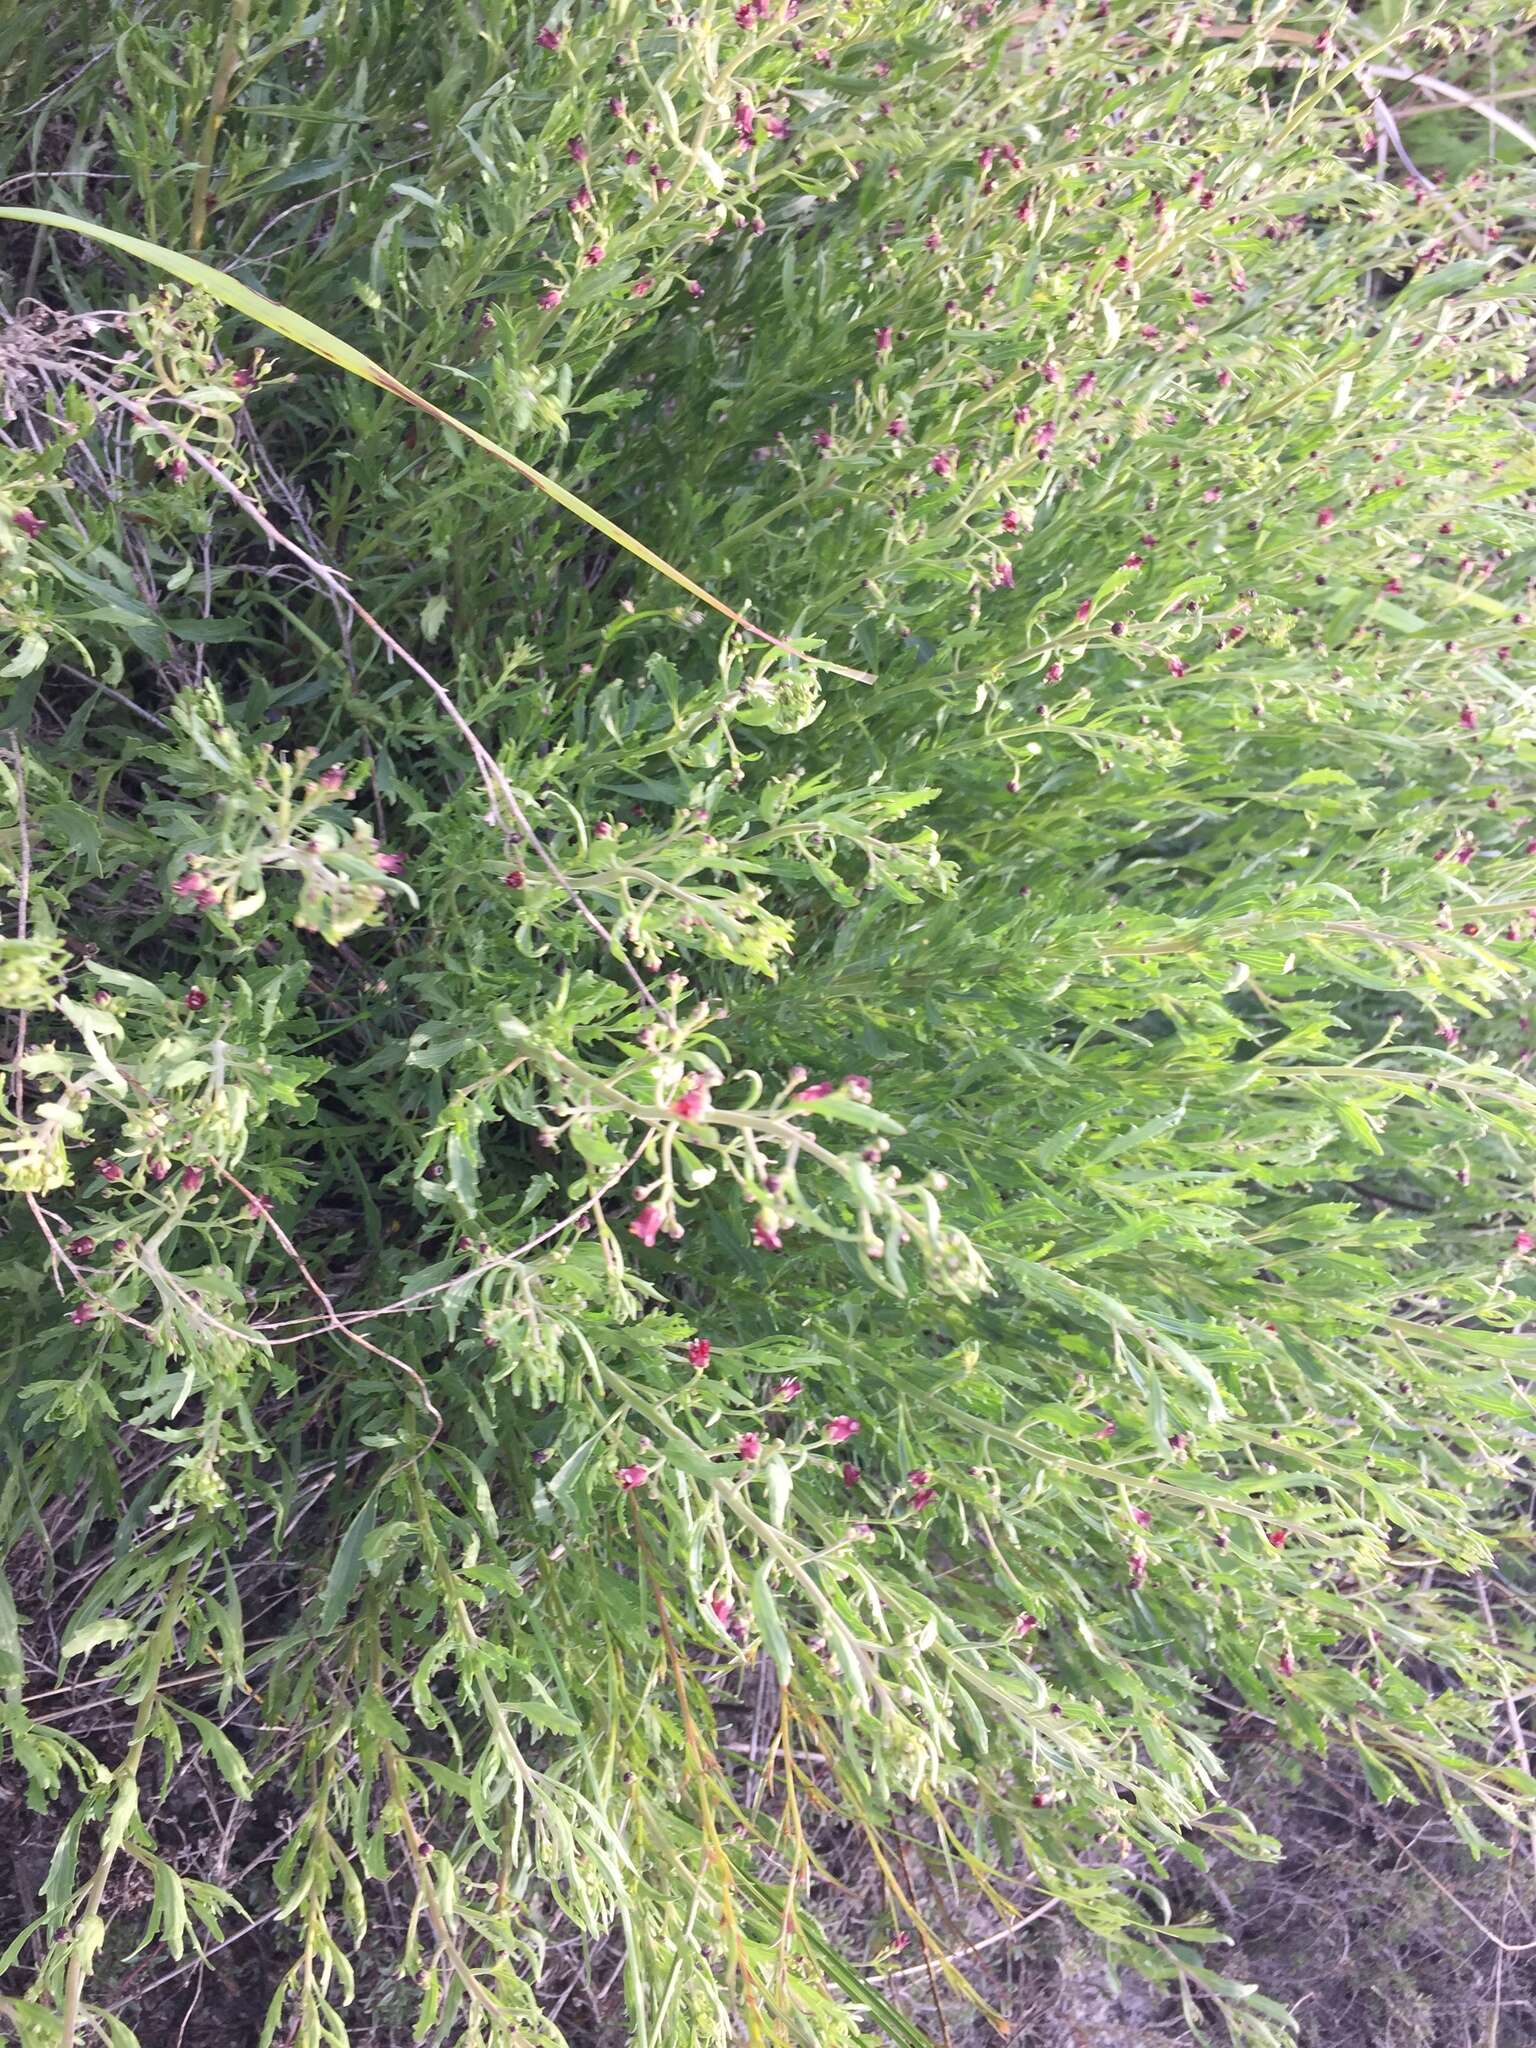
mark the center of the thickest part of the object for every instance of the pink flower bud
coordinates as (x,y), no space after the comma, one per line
(631,1476)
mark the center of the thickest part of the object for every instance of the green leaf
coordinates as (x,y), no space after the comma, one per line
(346,1571)
(770,1624)
(86,1636)
(232,1766)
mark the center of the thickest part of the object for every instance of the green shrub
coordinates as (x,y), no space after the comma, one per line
(984,1212)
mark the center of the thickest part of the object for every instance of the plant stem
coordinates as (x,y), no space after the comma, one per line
(218,99)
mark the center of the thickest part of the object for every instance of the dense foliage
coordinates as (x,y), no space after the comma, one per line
(571,1168)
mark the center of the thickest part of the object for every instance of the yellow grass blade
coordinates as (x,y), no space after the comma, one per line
(320,342)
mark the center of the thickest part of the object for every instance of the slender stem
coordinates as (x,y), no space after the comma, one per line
(218,99)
